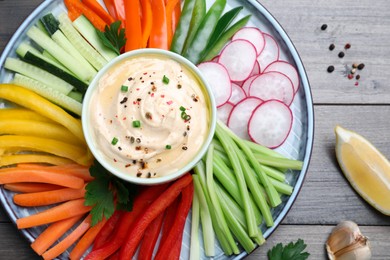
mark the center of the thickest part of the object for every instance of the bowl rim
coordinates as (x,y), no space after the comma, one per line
(87,129)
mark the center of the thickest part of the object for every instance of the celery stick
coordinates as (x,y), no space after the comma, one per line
(282,187)
(194,244)
(227,142)
(274,173)
(284,163)
(215,201)
(199,179)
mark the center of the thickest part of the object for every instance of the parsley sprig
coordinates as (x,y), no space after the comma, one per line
(113,37)
(288,252)
(106,193)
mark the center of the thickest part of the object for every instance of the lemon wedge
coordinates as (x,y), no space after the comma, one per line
(365,167)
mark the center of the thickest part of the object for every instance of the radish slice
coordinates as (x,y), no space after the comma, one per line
(287,69)
(223,112)
(270,123)
(270,52)
(256,69)
(238,57)
(239,116)
(218,78)
(215,59)
(272,85)
(253,35)
(238,94)
(247,84)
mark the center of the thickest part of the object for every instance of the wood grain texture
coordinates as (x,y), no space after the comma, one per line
(326,197)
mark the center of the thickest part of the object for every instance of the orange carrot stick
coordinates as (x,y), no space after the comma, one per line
(133,25)
(99,10)
(169,10)
(26,187)
(44,198)
(74,13)
(63,211)
(86,241)
(51,234)
(69,240)
(146,21)
(159,34)
(98,22)
(176,17)
(111,8)
(15,175)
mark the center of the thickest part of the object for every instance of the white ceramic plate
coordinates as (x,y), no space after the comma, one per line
(298,145)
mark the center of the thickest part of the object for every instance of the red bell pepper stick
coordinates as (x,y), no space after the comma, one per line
(157,207)
(159,34)
(169,9)
(165,250)
(133,25)
(170,217)
(141,202)
(107,229)
(176,16)
(150,238)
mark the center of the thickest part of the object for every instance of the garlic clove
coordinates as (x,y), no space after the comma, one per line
(347,242)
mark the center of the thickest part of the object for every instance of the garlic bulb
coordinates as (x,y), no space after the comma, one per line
(346,242)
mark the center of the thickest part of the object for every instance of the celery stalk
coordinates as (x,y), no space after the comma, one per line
(284,163)
(195,245)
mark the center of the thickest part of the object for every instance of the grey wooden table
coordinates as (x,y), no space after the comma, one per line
(326,197)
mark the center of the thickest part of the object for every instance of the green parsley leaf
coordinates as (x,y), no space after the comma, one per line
(102,192)
(113,37)
(291,251)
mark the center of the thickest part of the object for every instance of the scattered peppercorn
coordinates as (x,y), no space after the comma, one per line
(331,47)
(357,77)
(355,65)
(330,68)
(350,76)
(341,54)
(347,46)
(324,26)
(184,148)
(353,70)
(360,66)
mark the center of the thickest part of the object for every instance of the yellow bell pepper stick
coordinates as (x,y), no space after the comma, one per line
(22,113)
(38,129)
(7,160)
(33,101)
(50,146)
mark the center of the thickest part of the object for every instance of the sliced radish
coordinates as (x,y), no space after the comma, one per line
(270,123)
(216,58)
(223,112)
(256,69)
(238,94)
(238,57)
(252,34)
(287,69)
(240,114)
(247,84)
(272,85)
(270,52)
(218,78)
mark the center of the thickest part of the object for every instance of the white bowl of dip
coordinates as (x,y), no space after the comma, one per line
(149,116)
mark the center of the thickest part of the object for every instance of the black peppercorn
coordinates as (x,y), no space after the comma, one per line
(330,69)
(331,47)
(360,66)
(341,54)
(324,26)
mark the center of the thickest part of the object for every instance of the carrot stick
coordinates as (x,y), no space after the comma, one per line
(111,8)
(159,205)
(74,13)
(107,230)
(150,238)
(15,175)
(86,241)
(120,10)
(98,22)
(11,159)
(28,187)
(44,198)
(51,234)
(146,21)
(133,25)
(176,17)
(68,240)
(65,210)
(159,34)
(75,170)
(99,10)
(169,11)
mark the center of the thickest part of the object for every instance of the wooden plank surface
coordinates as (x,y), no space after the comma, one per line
(326,197)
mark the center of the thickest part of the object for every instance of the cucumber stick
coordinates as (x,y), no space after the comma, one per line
(49,93)
(89,53)
(38,74)
(61,55)
(88,31)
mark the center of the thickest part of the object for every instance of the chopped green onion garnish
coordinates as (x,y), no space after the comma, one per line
(124,88)
(187,117)
(168,147)
(165,80)
(136,123)
(182,108)
(183,115)
(114,141)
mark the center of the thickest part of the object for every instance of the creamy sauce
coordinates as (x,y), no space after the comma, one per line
(150,116)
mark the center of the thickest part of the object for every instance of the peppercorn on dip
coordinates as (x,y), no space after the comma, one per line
(150,116)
